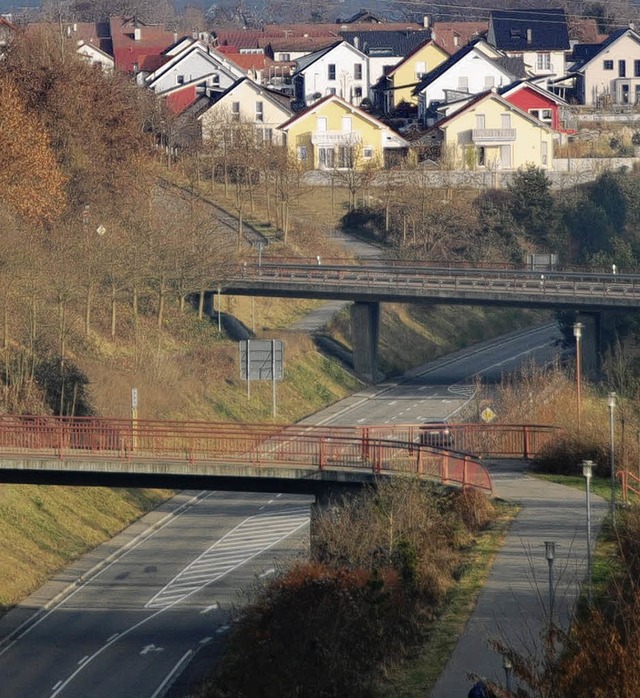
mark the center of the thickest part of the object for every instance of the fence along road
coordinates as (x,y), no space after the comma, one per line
(293,458)
(403,282)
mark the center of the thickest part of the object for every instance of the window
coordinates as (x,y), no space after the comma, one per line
(180,79)
(367,152)
(505,120)
(505,156)
(545,152)
(489,81)
(331,90)
(331,71)
(325,157)
(235,111)
(321,124)
(357,71)
(622,69)
(625,94)
(357,92)
(345,156)
(215,79)
(421,68)
(607,65)
(259,111)
(545,115)
(463,83)
(346,124)
(544,61)
(302,152)
(482,156)
(636,69)
(267,135)
(285,57)
(480,121)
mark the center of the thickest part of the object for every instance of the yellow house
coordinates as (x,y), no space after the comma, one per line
(489,132)
(333,134)
(397,85)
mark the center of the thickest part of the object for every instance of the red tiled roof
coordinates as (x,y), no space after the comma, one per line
(146,52)
(445,33)
(585,30)
(178,100)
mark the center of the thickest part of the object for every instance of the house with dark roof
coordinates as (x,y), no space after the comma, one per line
(395,87)
(452,36)
(385,49)
(340,69)
(473,69)
(539,37)
(608,73)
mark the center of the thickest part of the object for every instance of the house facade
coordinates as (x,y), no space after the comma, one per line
(470,71)
(609,73)
(539,37)
(333,134)
(489,132)
(397,85)
(340,70)
(247,102)
(197,62)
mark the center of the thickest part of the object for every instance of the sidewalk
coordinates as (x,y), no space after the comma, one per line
(513,603)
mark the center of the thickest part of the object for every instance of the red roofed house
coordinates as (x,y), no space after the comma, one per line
(137,47)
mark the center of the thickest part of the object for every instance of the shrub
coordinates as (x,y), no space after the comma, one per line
(564,455)
(474,508)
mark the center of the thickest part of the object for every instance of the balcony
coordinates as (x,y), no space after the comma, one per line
(485,136)
(330,138)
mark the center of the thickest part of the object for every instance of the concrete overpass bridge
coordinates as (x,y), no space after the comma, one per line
(588,292)
(244,457)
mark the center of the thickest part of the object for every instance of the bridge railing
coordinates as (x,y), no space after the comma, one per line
(268,447)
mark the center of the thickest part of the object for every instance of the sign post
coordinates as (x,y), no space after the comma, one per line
(262,359)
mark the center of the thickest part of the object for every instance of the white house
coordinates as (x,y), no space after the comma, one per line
(468,72)
(196,61)
(340,69)
(247,102)
(95,56)
(609,73)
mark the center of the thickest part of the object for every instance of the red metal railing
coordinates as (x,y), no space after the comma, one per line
(280,446)
(627,479)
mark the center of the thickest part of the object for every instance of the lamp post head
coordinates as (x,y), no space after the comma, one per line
(577,329)
(612,400)
(549,549)
(587,468)
(506,663)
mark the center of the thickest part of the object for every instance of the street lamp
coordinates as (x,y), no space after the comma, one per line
(549,553)
(577,333)
(611,402)
(587,471)
(508,667)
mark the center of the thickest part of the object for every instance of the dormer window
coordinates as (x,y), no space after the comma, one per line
(515,34)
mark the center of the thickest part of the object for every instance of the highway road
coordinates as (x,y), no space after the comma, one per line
(141,616)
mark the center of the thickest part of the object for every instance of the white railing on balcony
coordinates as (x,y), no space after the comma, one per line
(493,135)
(329,138)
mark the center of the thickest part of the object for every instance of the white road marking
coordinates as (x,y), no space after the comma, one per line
(83,660)
(177,669)
(267,573)
(214,607)
(57,686)
(241,544)
(205,640)
(113,637)
(222,629)
(149,648)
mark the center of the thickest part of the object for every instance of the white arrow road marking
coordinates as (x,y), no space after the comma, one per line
(151,648)
(247,540)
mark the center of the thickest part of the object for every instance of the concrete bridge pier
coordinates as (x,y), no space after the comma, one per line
(365,331)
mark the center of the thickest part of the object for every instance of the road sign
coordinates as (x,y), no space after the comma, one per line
(261,359)
(488,415)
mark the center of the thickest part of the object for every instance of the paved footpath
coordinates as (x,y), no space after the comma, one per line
(513,604)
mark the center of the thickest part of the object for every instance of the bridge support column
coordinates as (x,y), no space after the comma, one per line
(365,330)
(208,308)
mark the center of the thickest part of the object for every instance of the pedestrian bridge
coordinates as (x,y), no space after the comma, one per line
(248,457)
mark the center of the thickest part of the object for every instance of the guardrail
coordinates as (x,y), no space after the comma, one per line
(273,446)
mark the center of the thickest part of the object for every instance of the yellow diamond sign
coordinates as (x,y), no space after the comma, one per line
(488,415)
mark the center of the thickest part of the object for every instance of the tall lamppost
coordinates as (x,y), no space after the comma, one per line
(611,402)
(550,553)
(587,471)
(577,333)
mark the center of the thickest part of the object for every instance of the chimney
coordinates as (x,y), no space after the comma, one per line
(175,37)
(426,21)
(137,33)
(356,41)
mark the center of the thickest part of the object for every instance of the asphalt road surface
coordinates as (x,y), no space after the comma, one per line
(157,598)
